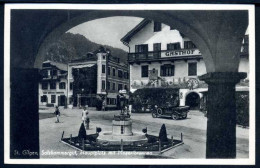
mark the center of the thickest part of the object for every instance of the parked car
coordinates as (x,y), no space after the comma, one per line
(179,112)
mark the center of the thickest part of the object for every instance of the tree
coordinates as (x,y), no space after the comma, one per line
(82,132)
(163,134)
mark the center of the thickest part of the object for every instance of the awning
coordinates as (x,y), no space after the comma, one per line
(82,66)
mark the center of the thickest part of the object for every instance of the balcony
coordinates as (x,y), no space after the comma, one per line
(164,55)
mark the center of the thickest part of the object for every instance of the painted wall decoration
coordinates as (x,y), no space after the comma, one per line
(183,83)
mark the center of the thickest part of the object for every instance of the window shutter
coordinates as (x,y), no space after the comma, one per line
(161,71)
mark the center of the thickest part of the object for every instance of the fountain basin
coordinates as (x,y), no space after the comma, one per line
(112,139)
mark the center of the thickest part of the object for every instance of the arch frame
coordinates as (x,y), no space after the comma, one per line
(175,20)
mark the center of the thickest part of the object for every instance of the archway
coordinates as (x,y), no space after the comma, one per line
(204,32)
(193,100)
(218,35)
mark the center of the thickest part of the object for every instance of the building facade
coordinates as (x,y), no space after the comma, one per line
(161,56)
(53,84)
(99,75)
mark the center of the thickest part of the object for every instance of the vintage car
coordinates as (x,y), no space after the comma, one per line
(179,112)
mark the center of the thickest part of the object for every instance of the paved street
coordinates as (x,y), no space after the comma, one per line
(193,129)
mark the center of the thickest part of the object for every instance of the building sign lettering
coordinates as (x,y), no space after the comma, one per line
(175,53)
(53,92)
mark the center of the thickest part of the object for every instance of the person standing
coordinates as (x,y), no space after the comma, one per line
(104,105)
(57,113)
(85,116)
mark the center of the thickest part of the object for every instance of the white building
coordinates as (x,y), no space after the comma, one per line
(160,56)
(53,84)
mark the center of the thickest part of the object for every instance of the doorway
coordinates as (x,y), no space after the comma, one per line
(193,100)
(62,100)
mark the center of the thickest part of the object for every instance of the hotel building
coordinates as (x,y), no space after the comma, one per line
(161,56)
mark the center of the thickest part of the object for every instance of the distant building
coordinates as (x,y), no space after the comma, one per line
(161,56)
(99,75)
(53,84)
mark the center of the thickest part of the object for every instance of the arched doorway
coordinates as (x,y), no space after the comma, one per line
(193,100)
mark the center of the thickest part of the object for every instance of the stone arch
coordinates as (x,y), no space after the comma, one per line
(213,32)
(218,35)
(175,19)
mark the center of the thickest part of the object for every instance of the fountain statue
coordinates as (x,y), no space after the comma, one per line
(122,128)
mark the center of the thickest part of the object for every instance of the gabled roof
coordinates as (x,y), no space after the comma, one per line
(59,65)
(135,30)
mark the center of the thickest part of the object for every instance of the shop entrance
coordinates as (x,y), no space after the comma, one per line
(193,100)
(62,100)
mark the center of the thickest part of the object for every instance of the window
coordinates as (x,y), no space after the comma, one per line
(114,86)
(114,72)
(173,46)
(54,72)
(120,73)
(126,87)
(111,101)
(122,129)
(189,44)
(125,75)
(157,47)
(108,70)
(142,48)
(120,87)
(53,98)
(62,85)
(157,26)
(47,64)
(103,85)
(44,85)
(144,71)
(192,69)
(44,98)
(45,73)
(53,85)
(108,85)
(71,85)
(167,70)
(103,68)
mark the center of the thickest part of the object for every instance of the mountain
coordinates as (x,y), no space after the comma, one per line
(75,46)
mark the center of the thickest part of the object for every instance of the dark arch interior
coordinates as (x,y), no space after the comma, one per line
(193,100)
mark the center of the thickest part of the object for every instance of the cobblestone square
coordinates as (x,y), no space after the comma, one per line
(193,129)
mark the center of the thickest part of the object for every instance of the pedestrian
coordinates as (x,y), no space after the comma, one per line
(104,105)
(85,116)
(57,113)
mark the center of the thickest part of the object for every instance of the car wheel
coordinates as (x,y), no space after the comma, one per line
(154,115)
(175,117)
(159,111)
(184,116)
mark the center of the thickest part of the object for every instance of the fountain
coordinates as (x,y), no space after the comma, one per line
(121,131)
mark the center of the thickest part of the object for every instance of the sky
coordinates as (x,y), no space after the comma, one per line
(107,31)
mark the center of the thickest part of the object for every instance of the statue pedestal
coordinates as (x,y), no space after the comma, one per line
(121,131)
(122,128)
